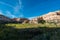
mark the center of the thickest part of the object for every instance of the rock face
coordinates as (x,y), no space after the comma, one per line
(52,17)
(49,17)
(36,20)
(26,21)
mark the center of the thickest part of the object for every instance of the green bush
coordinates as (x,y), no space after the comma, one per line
(41,21)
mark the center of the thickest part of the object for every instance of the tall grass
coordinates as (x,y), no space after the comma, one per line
(33,25)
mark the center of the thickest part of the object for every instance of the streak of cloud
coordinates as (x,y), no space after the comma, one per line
(8,13)
(17,8)
(4,3)
(20,4)
(1,12)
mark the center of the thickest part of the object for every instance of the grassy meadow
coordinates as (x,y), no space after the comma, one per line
(46,31)
(27,25)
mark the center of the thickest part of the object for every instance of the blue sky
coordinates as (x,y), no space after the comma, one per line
(27,8)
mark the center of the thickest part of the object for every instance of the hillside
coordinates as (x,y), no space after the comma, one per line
(34,30)
(49,17)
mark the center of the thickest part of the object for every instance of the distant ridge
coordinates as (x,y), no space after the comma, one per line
(4,18)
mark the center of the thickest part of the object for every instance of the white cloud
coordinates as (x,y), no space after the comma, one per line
(1,12)
(9,14)
(21,15)
(4,3)
(20,4)
(16,8)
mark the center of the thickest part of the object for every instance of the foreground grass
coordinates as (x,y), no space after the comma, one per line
(39,33)
(29,32)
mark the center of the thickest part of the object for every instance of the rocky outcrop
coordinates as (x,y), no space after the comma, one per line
(49,17)
(20,20)
(26,21)
(52,17)
(36,20)
(33,21)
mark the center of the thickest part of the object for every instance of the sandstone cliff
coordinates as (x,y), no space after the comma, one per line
(49,17)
